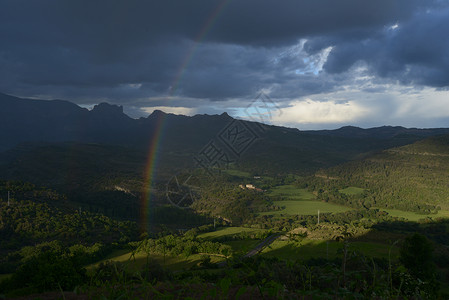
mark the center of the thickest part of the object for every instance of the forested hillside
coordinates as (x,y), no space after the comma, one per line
(35,220)
(413,177)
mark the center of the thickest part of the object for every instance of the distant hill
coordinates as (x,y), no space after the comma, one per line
(26,120)
(414,177)
(436,145)
(383,132)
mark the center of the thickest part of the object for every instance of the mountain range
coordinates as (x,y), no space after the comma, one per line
(31,120)
(40,137)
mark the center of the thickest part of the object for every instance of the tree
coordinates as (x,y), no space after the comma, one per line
(416,255)
(47,271)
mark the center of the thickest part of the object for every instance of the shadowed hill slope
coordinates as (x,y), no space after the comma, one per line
(413,177)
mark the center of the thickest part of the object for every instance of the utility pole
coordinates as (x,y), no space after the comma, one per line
(318,217)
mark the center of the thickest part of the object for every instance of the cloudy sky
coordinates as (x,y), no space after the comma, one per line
(317,63)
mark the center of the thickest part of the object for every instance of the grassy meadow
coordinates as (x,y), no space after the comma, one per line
(352,190)
(300,202)
(412,216)
(308,249)
(291,192)
(172,263)
(295,207)
(228,231)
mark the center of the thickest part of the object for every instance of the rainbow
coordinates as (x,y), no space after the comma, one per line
(151,163)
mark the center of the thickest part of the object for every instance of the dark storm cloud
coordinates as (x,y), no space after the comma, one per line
(129,51)
(414,52)
(98,25)
(268,22)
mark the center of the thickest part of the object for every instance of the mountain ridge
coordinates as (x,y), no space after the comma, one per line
(60,120)
(385,131)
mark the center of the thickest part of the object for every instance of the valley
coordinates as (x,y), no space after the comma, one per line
(316,213)
(219,149)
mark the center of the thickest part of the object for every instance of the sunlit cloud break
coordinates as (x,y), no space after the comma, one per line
(309,111)
(188,111)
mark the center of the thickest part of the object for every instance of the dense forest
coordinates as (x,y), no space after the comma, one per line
(412,178)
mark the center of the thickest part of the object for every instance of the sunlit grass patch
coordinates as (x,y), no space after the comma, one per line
(308,249)
(293,207)
(173,263)
(291,192)
(228,231)
(352,190)
(412,216)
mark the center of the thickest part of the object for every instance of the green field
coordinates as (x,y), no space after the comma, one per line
(300,202)
(412,216)
(170,262)
(441,214)
(352,190)
(227,231)
(295,207)
(292,192)
(307,249)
